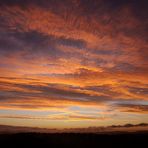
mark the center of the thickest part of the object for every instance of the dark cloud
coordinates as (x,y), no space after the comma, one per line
(138,90)
(133,108)
(106,89)
(72,42)
(49,91)
(33,44)
(126,67)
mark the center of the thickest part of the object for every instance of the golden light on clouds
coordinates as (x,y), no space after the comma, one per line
(73,61)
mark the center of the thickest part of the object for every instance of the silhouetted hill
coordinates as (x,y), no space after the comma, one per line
(74,140)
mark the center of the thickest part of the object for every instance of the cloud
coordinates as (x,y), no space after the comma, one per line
(71,117)
(47,96)
(59,54)
(133,108)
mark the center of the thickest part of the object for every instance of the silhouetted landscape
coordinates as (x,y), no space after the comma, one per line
(111,136)
(7,129)
(74,140)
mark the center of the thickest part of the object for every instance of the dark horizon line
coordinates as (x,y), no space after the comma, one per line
(110,126)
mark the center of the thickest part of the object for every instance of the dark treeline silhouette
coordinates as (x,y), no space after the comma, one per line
(74,140)
(100,129)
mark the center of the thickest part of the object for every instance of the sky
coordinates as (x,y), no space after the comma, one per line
(73,63)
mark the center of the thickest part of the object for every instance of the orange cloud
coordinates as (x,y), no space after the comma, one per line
(58,55)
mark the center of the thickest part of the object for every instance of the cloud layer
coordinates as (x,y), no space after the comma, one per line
(60,55)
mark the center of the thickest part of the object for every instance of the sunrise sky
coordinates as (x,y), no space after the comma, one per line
(73,63)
